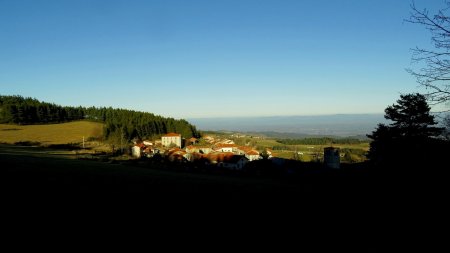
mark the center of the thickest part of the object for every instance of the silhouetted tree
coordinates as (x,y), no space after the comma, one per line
(435,75)
(409,136)
(411,117)
(264,154)
(447,127)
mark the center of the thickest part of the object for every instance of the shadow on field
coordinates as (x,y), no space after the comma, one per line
(324,202)
(27,143)
(55,178)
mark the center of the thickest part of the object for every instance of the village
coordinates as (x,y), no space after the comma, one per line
(223,153)
(209,150)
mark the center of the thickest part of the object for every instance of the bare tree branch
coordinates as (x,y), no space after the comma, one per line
(435,73)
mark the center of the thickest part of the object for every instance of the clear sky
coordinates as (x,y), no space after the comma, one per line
(206,58)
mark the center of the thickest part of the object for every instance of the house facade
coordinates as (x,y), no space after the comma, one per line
(137,150)
(171,139)
(252,155)
(234,162)
(226,148)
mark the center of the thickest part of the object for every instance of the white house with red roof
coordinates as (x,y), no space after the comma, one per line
(137,150)
(171,139)
(252,155)
(225,148)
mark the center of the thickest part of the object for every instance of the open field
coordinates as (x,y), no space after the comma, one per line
(306,152)
(72,132)
(273,144)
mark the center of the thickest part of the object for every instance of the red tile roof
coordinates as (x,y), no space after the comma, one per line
(253,152)
(220,157)
(141,145)
(172,135)
(226,146)
(245,148)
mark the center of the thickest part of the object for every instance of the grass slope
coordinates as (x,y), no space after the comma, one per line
(63,133)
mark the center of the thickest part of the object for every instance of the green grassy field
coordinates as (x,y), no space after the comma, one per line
(307,153)
(72,132)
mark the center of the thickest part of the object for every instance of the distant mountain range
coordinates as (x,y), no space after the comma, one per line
(301,126)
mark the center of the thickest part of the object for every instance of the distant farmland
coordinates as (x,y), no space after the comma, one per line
(72,132)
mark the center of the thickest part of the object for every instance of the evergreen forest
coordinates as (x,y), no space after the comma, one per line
(119,123)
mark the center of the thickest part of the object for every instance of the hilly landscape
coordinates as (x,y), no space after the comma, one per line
(45,163)
(260,119)
(119,125)
(43,157)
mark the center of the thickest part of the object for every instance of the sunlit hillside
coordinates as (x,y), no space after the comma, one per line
(72,132)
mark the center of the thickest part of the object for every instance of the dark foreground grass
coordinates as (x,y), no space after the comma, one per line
(353,209)
(54,179)
(34,176)
(44,187)
(32,173)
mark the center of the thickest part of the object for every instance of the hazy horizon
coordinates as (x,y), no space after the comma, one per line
(293,115)
(335,125)
(196,59)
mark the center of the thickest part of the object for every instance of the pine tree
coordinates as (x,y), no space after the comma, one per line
(409,136)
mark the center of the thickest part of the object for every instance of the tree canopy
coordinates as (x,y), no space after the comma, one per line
(411,130)
(20,110)
(411,117)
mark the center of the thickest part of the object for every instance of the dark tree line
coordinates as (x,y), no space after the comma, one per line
(128,124)
(24,111)
(119,123)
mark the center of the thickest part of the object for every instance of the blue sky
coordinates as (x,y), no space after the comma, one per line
(198,58)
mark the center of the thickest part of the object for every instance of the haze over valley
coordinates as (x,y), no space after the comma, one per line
(329,125)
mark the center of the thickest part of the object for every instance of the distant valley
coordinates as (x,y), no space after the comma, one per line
(341,125)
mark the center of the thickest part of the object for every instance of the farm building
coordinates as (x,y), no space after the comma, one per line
(171,139)
(331,157)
